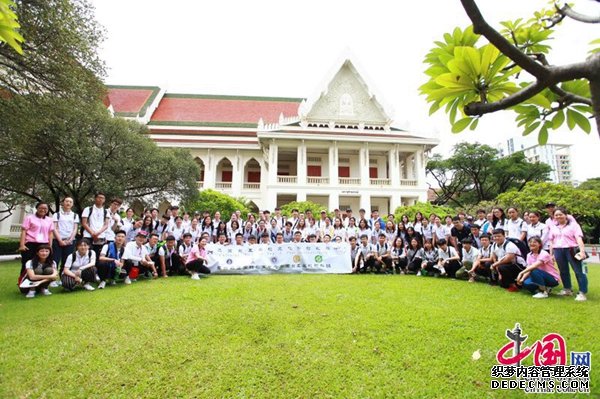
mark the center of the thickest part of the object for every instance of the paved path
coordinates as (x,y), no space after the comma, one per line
(7,258)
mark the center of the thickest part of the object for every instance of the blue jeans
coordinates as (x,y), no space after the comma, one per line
(539,278)
(563,257)
(60,254)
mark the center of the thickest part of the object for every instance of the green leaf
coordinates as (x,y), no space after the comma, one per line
(474,124)
(434,107)
(541,100)
(530,128)
(582,122)
(461,125)
(571,119)
(543,136)
(558,119)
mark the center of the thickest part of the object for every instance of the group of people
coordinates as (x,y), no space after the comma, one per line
(502,248)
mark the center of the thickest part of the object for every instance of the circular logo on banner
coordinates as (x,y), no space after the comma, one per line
(229,261)
(318,258)
(297,258)
(273,260)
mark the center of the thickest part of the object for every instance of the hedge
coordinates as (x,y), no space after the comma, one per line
(9,246)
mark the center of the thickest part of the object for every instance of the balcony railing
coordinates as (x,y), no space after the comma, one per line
(287,179)
(350,181)
(223,185)
(408,182)
(200,184)
(380,182)
(15,228)
(317,180)
(251,186)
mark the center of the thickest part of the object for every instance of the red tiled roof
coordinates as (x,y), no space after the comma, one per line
(223,109)
(129,99)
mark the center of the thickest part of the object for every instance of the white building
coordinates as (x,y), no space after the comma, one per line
(555,154)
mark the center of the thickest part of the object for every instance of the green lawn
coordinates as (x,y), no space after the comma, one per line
(289,336)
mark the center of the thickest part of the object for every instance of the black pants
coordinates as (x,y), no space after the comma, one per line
(484,269)
(429,267)
(106,270)
(415,265)
(88,276)
(400,264)
(384,263)
(197,266)
(508,274)
(370,264)
(452,267)
(174,266)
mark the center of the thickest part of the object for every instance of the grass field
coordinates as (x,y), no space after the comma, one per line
(288,336)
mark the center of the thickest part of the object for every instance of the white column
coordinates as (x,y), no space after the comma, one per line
(210,171)
(394,168)
(301,162)
(334,201)
(410,170)
(271,200)
(273,153)
(333,166)
(420,168)
(395,202)
(301,196)
(365,203)
(364,168)
(237,178)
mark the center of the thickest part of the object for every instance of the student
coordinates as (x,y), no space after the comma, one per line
(498,219)
(390,233)
(475,235)
(375,233)
(429,256)
(170,262)
(363,229)
(294,218)
(40,270)
(136,257)
(412,256)
(418,223)
(36,231)
(80,268)
(567,247)
(298,237)
(405,221)
(134,230)
(469,256)
(152,247)
(110,262)
(535,228)
(238,240)
(185,247)
(287,232)
(162,229)
(177,229)
(206,227)
(252,240)
(367,254)
(197,260)
(248,231)
(481,266)
(221,239)
(426,230)
(399,260)
(487,227)
(376,220)
(128,221)
(540,276)
(411,234)
(187,222)
(65,228)
(508,261)
(439,231)
(481,218)
(194,230)
(339,230)
(221,229)
(348,217)
(114,219)
(352,228)
(326,228)
(279,238)
(233,230)
(147,225)
(458,232)
(515,226)
(448,259)
(354,255)
(95,221)
(383,256)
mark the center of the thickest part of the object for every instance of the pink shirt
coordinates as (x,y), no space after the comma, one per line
(564,236)
(196,253)
(547,263)
(37,229)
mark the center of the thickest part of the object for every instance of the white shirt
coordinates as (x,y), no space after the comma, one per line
(508,248)
(450,252)
(514,228)
(66,223)
(95,220)
(135,253)
(539,230)
(470,256)
(440,232)
(114,219)
(80,261)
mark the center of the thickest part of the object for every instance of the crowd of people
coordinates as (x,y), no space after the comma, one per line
(514,251)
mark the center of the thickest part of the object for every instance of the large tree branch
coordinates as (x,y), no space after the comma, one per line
(567,11)
(480,108)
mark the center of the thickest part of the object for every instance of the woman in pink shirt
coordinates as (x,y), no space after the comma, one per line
(196,261)
(566,245)
(540,275)
(36,231)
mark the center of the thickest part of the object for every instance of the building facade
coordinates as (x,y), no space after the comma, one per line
(337,148)
(557,155)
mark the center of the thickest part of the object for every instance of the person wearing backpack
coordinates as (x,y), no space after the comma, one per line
(383,256)
(65,228)
(508,259)
(110,261)
(79,268)
(95,222)
(170,261)
(515,227)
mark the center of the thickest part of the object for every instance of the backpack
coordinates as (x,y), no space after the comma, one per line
(81,228)
(523,248)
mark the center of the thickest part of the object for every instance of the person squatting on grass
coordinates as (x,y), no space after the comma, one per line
(40,270)
(508,260)
(80,268)
(196,261)
(540,276)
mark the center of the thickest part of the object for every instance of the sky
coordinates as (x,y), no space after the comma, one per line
(275,48)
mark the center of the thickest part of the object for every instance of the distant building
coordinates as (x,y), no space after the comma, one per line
(557,155)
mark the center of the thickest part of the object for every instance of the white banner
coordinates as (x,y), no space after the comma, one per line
(279,258)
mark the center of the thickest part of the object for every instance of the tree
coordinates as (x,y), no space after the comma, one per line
(9,26)
(60,54)
(583,204)
(52,147)
(473,79)
(213,201)
(425,208)
(591,184)
(476,173)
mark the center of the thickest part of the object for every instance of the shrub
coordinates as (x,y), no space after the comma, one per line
(425,208)
(304,206)
(212,201)
(9,246)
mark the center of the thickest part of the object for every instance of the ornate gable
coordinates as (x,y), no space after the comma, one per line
(347,100)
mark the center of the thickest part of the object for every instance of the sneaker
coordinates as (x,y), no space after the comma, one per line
(565,292)
(54,284)
(127,280)
(581,297)
(46,292)
(442,270)
(195,276)
(89,287)
(419,273)
(112,282)
(471,279)
(30,294)
(97,278)
(101,285)
(541,295)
